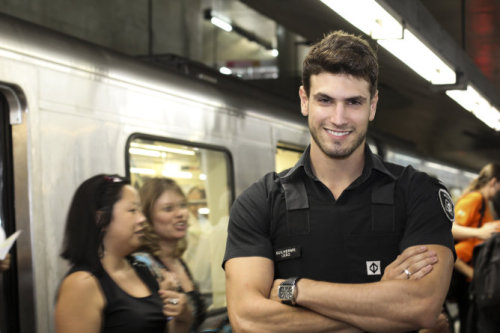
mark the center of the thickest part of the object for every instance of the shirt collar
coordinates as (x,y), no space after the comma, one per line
(372,162)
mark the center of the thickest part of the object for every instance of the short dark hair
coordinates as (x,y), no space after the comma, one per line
(89,214)
(341,53)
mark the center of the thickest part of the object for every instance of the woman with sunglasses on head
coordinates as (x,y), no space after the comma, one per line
(166,211)
(104,291)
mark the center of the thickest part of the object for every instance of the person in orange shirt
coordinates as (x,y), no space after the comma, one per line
(473,224)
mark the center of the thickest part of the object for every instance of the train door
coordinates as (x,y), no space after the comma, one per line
(205,173)
(9,305)
(17,301)
(287,155)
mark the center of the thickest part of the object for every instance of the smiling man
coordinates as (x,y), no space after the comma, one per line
(343,241)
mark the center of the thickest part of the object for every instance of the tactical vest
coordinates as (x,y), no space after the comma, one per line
(290,260)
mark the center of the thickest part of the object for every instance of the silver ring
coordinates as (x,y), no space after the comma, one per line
(407,272)
(173,301)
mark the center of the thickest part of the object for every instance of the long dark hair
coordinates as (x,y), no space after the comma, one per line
(89,214)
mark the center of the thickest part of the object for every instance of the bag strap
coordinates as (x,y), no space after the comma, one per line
(481,211)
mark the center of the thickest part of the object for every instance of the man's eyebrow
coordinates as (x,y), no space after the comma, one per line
(351,98)
(357,98)
(322,95)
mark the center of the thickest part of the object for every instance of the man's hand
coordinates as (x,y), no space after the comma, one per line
(414,263)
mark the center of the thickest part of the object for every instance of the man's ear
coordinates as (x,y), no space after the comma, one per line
(304,101)
(373,105)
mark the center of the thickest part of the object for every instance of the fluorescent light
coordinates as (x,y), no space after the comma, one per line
(221,23)
(471,100)
(226,71)
(371,18)
(469,174)
(143,171)
(204,211)
(144,152)
(163,149)
(420,58)
(177,174)
(368,16)
(438,166)
(274,52)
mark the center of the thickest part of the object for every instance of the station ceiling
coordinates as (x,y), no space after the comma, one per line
(411,113)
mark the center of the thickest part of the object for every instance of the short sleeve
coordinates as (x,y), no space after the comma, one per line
(467,210)
(430,212)
(249,223)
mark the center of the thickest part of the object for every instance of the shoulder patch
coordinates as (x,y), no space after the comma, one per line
(447,204)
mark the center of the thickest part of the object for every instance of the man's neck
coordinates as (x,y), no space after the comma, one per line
(337,174)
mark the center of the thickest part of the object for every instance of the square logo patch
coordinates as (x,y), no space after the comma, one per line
(373,268)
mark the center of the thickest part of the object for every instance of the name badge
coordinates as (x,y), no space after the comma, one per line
(287,253)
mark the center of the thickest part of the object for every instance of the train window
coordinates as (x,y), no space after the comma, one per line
(205,175)
(287,155)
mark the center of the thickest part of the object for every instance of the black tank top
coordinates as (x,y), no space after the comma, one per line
(124,313)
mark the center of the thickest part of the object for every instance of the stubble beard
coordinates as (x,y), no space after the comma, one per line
(338,152)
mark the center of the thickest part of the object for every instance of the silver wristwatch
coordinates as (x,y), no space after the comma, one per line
(287,291)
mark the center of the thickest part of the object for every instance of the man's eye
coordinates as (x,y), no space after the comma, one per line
(354,102)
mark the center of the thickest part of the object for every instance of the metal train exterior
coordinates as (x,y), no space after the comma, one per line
(71,110)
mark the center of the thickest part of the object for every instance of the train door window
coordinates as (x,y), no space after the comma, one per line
(205,175)
(9,298)
(287,155)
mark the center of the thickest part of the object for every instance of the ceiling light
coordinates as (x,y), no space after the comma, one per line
(226,71)
(143,171)
(369,17)
(162,148)
(471,100)
(389,32)
(227,25)
(218,22)
(416,55)
(144,152)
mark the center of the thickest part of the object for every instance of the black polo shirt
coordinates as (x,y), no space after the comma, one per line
(348,240)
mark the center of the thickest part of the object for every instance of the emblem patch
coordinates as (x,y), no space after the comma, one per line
(447,204)
(373,268)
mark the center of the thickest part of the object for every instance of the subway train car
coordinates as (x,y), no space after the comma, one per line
(70,110)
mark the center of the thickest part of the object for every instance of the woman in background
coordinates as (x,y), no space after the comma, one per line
(165,207)
(104,291)
(474,223)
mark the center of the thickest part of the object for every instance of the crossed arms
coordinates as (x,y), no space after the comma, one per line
(394,304)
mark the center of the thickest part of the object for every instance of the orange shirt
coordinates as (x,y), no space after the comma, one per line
(467,214)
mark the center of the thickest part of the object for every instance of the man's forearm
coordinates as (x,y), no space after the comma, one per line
(271,316)
(377,307)
(386,306)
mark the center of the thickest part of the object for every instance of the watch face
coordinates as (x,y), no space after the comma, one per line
(285,292)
